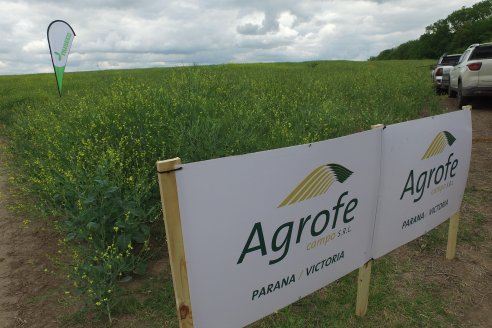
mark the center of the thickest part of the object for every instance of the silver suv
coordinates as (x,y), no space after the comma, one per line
(440,73)
(472,76)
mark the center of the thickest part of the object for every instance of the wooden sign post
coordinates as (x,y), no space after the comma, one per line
(364,278)
(363,282)
(172,221)
(452,236)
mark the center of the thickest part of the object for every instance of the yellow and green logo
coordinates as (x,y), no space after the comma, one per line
(317,183)
(313,225)
(435,177)
(439,143)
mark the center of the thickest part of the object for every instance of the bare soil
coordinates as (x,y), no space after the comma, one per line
(31,285)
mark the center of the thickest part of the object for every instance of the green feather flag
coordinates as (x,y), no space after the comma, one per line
(60,37)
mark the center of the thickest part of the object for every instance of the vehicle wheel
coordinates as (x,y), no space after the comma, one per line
(462,101)
(451,93)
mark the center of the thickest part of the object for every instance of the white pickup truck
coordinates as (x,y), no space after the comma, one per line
(472,76)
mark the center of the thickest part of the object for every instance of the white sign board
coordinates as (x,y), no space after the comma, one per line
(423,177)
(262,230)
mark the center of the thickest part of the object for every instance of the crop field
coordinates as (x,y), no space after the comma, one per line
(87,161)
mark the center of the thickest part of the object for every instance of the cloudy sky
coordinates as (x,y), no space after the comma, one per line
(112,34)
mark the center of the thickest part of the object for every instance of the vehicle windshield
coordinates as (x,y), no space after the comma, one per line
(482,52)
(450,60)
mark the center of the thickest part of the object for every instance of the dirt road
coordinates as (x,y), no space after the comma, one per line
(470,277)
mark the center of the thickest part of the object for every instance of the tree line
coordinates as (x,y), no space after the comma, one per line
(453,34)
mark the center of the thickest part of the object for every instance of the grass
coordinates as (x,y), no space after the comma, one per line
(88,159)
(395,300)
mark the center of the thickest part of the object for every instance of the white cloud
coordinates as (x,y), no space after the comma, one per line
(36,47)
(126,34)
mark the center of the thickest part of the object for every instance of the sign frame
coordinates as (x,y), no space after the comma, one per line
(175,238)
